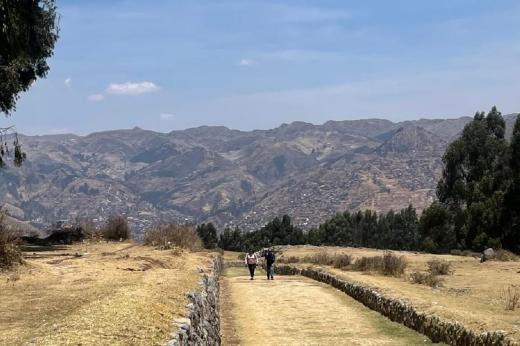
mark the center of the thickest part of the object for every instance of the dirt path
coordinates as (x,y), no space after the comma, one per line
(295,310)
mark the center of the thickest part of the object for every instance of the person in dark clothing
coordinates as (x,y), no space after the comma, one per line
(269,261)
(251,260)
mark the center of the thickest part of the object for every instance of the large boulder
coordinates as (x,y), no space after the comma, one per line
(487,255)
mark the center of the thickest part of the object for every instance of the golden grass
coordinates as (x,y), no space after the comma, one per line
(113,294)
(472,295)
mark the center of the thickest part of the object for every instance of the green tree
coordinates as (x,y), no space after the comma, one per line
(512,197)
(436,229)
(28,33)
(231,240)
(475,179)
(208,234)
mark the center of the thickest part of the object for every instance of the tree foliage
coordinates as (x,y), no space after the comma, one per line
(279,231)
(28,33)
(208,234)
(393,230)
(478,188)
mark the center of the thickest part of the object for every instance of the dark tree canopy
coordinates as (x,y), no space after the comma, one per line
(479,185)
(208,234)
(28,32)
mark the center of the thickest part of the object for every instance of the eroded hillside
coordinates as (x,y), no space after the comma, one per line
(231,177)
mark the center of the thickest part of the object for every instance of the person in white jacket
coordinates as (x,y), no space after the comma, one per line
(251,260)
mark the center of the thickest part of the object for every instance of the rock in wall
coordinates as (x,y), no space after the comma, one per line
(202,323)
(437,329)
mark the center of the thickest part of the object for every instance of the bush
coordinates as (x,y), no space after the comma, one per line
(388,264)
(511,297)
(241,256)
(428,279)
(368,264)
(88,228)
(116,228)
(505,256)
(341,260)
(465,253)
(439,267)
(321,258)
(393,265)
(290,259)
(169,236)
(10,254)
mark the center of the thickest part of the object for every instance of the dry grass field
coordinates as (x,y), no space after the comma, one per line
(473,294)
(107,294)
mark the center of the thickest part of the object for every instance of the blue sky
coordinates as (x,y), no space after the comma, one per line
(166,65)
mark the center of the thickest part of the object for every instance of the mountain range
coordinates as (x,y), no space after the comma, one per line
(230,177)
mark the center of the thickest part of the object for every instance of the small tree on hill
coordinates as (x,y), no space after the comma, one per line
(116,228)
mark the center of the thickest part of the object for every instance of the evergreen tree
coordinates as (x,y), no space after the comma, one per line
(436,229)
(208,235)
(475,179)
(512,198)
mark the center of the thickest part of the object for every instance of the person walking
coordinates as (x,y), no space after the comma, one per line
(269,262)
(251,260)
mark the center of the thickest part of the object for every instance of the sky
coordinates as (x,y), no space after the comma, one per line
(168,65)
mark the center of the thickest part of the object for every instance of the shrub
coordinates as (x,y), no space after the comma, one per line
(321,258)
(88,228)
(456,252)
(169,236)
(388,264)
(505,256)
(368,264)
(241,256)
(429,279)
(439,267)
(10,254)
(511,297)
(290,259)
(116,228)
(393,265)
(341,260)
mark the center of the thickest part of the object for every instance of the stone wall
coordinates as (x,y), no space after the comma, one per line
(437,329)
(202,323)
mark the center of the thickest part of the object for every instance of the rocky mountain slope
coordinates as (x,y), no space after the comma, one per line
(231,177)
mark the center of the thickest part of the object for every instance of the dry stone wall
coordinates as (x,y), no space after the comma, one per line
(437,329)
(202,323)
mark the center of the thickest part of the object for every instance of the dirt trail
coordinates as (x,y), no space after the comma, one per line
(295,310)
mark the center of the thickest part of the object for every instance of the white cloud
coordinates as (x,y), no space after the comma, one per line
(166,116)
(130,88)
(246,62)
(96,97)
(68,82)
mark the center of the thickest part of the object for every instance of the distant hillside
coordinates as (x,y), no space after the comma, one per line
(231,177)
